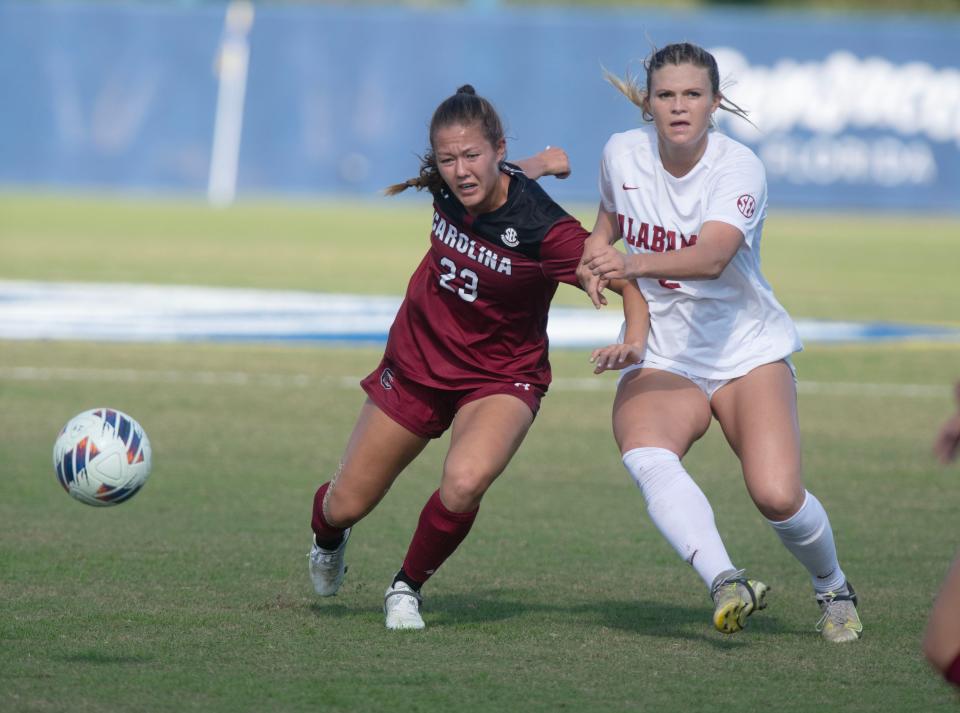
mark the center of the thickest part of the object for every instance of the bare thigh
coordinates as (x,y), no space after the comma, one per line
(758,414)
(377,452)
(941,641)
(659,409)
(485,435)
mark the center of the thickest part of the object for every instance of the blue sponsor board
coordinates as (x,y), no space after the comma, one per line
(849,111)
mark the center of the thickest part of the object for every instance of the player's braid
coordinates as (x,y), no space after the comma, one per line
(465,108)
(429,178)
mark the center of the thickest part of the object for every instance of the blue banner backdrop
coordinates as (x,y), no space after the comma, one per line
(850,111)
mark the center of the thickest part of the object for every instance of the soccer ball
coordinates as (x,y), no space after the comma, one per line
(102,457)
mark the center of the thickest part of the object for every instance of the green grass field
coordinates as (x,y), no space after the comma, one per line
(194,596)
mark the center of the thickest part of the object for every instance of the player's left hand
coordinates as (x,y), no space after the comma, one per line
(592,285)
(615,356)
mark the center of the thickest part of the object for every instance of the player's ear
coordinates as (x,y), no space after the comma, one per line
(501,149)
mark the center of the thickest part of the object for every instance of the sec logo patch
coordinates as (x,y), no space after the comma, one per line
(747,205)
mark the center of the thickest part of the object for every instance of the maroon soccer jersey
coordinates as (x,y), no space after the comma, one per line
(476,308)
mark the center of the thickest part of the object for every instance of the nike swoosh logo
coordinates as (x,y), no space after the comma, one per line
(629,188)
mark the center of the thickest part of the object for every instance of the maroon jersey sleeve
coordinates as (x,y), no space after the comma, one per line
(562,249)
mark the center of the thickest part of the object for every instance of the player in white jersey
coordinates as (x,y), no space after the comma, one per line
(689,204)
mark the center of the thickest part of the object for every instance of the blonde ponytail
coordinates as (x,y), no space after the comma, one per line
(630,88)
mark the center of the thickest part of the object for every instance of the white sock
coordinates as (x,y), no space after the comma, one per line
(679,509)
(808,536)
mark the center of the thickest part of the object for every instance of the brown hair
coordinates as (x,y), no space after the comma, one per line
(466,108)
(678,53)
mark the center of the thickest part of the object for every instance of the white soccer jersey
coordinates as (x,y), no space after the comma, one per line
(715,329)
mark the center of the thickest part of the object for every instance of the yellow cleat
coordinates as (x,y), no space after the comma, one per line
(735,598)
(840,621)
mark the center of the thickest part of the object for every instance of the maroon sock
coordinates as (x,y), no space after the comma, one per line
(325,532)
(438,534)
(952,673)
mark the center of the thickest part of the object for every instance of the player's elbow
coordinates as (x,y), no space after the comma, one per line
(714,268)
(716,262)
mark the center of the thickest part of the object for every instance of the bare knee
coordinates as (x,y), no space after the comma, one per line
(345,508)
(778,502)
(463,487)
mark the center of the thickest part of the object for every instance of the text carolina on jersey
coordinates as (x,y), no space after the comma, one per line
(463,243)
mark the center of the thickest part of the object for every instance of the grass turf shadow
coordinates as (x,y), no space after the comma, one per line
(639,616)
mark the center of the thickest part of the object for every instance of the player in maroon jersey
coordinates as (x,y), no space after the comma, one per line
(941,641)
(467,350)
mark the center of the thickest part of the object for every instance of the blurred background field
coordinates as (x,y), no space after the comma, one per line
(829,266)
(194,595)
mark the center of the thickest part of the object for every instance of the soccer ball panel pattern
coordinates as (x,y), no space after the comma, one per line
(102,457)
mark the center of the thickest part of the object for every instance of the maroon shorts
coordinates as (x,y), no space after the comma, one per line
(428,411)
(952,673)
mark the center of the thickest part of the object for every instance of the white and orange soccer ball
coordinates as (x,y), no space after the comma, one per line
(102,457)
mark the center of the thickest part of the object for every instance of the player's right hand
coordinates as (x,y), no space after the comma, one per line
(555,162)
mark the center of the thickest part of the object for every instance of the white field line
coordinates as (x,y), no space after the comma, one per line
(243,378)
(156,313)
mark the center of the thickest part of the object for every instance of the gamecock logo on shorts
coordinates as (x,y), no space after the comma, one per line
(747,205)
(386,379)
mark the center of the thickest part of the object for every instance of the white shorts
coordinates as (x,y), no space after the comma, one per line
(708,386)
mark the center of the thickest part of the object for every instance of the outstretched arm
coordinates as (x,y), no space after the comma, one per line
(637,316)
(552,161)
(716,245)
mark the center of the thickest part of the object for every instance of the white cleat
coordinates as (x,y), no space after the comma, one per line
(327,567)
(840,621)
(401,604)
(735,598)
